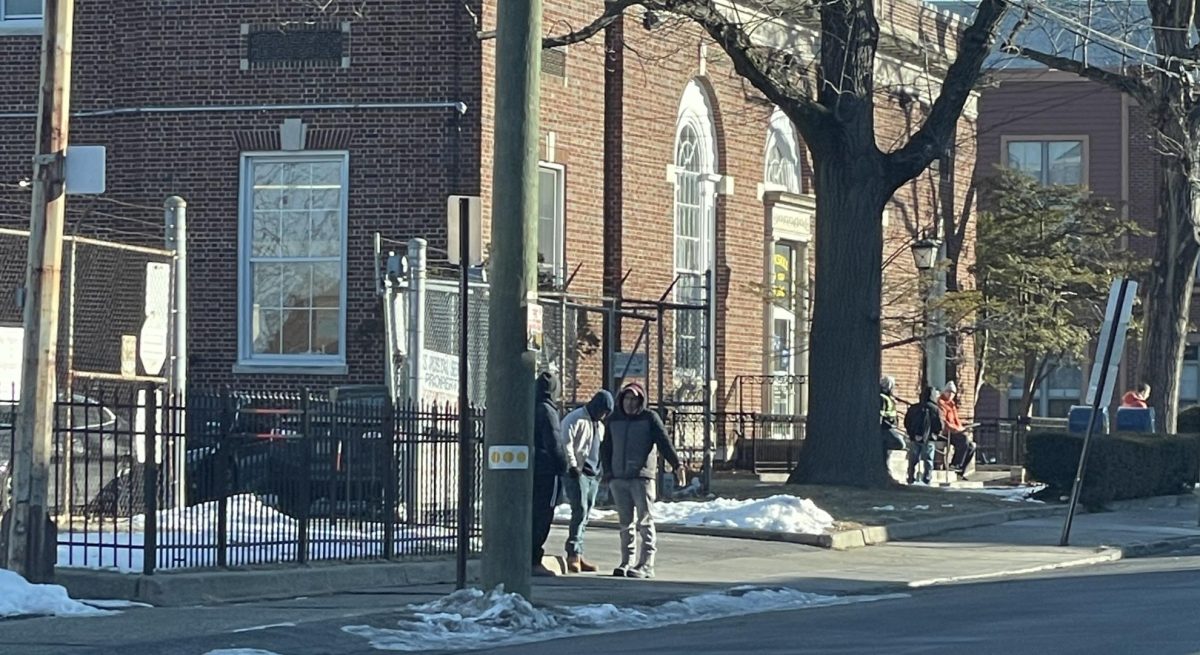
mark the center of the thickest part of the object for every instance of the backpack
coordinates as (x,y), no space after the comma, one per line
(916,421)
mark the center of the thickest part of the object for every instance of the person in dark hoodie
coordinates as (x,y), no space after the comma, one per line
(549,462)
(582,432)
(922,422)
(630,462)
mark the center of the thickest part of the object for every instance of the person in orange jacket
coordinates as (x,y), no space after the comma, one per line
(1137,397)
(956,432)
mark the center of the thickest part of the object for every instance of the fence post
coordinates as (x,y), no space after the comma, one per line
(391,479)
(305,478)
(222,482)
(150,482)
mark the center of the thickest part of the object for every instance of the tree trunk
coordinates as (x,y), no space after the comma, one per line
(1029,385)
(843,443)
(1172,280)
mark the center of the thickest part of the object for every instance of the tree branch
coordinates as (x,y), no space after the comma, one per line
(940,127)
(612,11)
(921,337)
(1122,83)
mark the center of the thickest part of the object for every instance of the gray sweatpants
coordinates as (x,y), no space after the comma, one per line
(635,501)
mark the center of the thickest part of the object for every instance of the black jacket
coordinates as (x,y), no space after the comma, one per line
(548,455)
(632,444)
(923,420)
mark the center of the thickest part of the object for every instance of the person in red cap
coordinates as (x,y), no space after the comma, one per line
(629,460)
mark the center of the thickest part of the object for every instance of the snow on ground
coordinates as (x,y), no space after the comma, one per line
(20,598)
(779,513)
(471,620)
(1011,494)
(241,651)
(257,534)
(113,604)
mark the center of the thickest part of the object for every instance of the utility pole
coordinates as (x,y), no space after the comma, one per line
(31,547)
(507,475)
(175,220)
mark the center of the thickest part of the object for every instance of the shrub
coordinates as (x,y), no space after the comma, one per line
(1120,466)
(1189,421)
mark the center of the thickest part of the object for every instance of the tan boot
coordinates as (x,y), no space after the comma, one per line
(586,566)
(575,564)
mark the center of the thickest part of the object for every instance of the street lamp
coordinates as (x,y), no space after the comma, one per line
(926,253)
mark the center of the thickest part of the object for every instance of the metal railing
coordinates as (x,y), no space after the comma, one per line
(139,482)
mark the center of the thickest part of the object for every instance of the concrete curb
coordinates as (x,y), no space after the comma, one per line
(1104,556)
(1158,547)
(227,586)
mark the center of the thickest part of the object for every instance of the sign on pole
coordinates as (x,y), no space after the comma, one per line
(453,229)
(630,365)
(12,359)
(152,346)
(1115,317)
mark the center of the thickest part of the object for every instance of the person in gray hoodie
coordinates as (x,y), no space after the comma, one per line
(629,458)
(582,432)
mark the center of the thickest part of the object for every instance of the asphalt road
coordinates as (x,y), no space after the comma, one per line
(1140,606)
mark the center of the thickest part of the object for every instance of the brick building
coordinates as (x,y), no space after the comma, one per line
(296,134)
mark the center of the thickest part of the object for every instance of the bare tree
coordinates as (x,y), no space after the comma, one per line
(1148,51)
(832,102)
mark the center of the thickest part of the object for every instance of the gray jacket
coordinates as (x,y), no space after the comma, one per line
(628,449)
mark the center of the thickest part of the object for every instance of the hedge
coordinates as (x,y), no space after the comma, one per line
(1120,466)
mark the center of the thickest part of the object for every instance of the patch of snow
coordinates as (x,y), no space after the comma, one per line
(779,513)
(18,597)
(257,534)
(948,505)
(885,508)
(921,507)
(1010,494)
(269,626)
(241,651)
(470,619)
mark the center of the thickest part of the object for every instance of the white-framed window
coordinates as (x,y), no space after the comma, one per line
(695,219)
(552,192)
(782,169)
(292,263)
(19,12)
(1049,161)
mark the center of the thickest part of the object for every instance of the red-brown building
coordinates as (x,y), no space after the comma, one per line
(295,135)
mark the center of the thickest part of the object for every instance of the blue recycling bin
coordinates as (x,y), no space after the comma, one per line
(1135,419)
(1077,420)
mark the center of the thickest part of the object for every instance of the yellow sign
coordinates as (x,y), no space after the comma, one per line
(508,457)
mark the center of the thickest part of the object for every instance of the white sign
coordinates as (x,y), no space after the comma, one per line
(85,170)
(629,365)
(534,334)
(139,428)
(12,356)
(128,355)
(508,457)
(439,377)
(453,213)
(152,346)
(1120,307)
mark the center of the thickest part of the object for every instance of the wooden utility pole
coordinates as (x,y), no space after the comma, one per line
(31,547)
(507,484)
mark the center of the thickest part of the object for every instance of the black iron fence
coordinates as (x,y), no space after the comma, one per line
(758,442)
(141,482)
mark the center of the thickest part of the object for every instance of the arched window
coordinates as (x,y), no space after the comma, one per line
(695,219)
(782,170)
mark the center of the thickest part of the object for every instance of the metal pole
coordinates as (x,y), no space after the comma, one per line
(30,543)
(507,534)
(175,209)
(1097,399)
(68,487)
(710,374)
(937,340)
(465,448)
(416,317)
(150,482)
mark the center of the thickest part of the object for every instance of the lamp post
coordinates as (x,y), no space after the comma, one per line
(927,255)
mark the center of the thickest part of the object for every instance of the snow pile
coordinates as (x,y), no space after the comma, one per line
(20,598)
(780,513)
(240,651)
(257,534)
(470,619)
(1010,494)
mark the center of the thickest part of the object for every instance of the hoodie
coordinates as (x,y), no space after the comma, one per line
(548,455)
(583,431)
(628,449)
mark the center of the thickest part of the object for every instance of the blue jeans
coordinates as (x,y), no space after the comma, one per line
(581,493)
(920,451)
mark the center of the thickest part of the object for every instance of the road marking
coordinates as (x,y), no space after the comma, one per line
(266,627)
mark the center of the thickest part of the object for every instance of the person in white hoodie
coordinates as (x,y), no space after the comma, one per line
(582,432)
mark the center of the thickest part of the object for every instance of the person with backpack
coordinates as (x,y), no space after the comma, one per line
(922,422)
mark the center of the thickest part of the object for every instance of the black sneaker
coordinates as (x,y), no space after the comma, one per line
(621,572)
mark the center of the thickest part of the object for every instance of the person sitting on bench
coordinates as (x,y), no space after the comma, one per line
(964,448)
